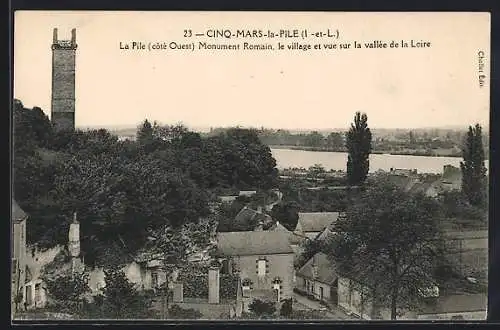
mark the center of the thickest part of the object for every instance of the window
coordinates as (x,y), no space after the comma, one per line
(28,295)
(14,266)
(321,293)
(261,268)
(154,279)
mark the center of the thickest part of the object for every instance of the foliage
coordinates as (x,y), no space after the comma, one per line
(473,170)
(262,308)
(455,206)
(121,299)
(195,285)
(386,244)
(177,312)
(228,286)
(310,248)
(124,190)
(68,290)
(287,213)
(358,145)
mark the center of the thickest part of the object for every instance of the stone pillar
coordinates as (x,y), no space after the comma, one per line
(178,293)
(213,285)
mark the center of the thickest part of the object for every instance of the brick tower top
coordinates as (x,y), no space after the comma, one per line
(64,44)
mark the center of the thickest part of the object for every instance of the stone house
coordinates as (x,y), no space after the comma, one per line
(318,277)
(263,260)
(18,251)
(311,224)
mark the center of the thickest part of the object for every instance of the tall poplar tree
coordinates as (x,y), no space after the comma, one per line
(358,144)
(473,169)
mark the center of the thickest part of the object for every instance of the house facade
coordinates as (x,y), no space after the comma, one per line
(18,251)
(263,260)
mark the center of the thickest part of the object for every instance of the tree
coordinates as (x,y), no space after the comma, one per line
(473,169)
(286,310)
(335,141)
(287,213)
(358,146)
(68,290)
(387,245)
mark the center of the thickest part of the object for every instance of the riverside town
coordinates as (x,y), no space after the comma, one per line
(167,221)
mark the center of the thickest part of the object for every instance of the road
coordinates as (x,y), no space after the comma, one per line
(332,313)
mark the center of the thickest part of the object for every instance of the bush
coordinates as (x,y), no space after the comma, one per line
(286,308)
(262,308)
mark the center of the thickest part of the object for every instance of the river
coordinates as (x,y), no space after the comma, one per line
(337,161)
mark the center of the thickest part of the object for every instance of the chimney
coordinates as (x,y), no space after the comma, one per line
(314,267)
(54,36)
(74,238)
(213,285)
(73,37)
(259,208)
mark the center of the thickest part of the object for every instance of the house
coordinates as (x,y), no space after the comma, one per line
(311,224)
(452,177)
(18,251)
(318,277)
(403,172)
(247,193)
(228,199)
(263,260)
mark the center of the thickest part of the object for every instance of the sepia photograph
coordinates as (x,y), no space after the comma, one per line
(279,166)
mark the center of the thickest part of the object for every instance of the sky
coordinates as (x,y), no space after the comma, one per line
(316,89)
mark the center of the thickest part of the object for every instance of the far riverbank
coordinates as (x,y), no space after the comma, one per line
(376,152)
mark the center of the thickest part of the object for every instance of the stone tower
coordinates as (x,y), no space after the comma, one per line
(63,82)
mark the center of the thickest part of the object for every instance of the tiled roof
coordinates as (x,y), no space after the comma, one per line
(253,243)
(292,237)
(457,304)
(326,271)
(17,212)
(316,221)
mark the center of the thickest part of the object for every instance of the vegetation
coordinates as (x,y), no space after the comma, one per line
(287,213)
(120,299)
(359,139)
(474,183)
(123,191)
(67,291)
(387,245)
(286,309)
(262,309)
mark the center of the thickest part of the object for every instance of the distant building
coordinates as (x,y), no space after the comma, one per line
(311,224)
(262,258)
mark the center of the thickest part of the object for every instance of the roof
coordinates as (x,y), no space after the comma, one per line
(227,199)
(326,271)
(17,212)
(420,187)
(457,304)
(316,221)
(253,243)
(247,193)
(293,238)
